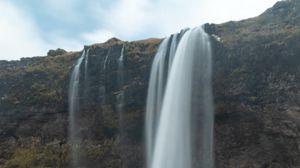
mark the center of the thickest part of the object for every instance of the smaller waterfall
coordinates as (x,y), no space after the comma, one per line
(86,77)
(120,105)
(103,88)
(73,111)
(105,60)
(120,96)
(86,61)
(121,56)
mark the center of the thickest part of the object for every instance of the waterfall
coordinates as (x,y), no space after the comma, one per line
(154,98)
(105,60)
(86,77)
(158,78)
(103,89)
(120,105)
(73,111)
(173,46)
(120,96)
(179,113)
(86,61)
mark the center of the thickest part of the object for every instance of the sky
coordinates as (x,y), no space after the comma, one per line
(32,27)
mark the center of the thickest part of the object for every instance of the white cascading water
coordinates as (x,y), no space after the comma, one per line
(86,76)
(74,108)
(173,46)
(179,119)
(105,60)
(102,90)
(120,96)
(155,97)
(158,79)
(120,104)
(86,61)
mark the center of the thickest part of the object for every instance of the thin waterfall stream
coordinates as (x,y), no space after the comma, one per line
(74,108)
(120,104)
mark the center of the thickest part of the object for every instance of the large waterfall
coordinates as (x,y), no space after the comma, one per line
(74,108)
(179,117)
(158,77)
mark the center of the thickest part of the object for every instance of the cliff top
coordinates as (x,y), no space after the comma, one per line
(279,22)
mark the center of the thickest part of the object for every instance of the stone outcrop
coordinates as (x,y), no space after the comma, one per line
(56,52)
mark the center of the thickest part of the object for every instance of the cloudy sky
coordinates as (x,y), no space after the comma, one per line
(32,27)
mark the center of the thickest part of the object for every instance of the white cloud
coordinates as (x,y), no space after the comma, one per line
(131,19)
(218,11)
(69,44)
(128,17)
(98,36)
(175,15)
(19,37)
(125,19)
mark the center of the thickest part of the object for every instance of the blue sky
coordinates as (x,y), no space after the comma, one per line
(32,27)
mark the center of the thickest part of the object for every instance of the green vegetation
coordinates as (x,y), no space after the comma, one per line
(38,157)
(40,79)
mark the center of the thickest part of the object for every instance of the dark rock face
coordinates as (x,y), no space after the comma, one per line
(256,89)
(34,107)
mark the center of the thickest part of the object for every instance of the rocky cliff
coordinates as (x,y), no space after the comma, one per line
(256,89)
(256,84)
